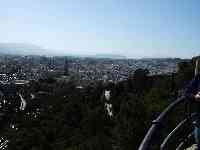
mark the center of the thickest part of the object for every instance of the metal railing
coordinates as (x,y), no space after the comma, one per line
(156,123)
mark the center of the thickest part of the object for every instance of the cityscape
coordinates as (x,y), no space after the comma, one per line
(99,75)
(18,69)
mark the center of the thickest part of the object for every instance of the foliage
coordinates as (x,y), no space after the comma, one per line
(63,117)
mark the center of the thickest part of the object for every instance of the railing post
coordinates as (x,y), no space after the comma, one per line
(147,140)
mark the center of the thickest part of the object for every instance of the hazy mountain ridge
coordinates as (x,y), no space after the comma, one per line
(31,49)
(21,49)
(113,56)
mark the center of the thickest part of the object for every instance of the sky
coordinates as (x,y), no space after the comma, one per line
(133,28)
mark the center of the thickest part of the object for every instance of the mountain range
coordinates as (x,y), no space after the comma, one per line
(21,49)
(30,49)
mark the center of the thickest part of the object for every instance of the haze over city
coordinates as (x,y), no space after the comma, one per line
(132,28)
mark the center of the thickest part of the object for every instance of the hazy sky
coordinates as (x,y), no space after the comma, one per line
(134,28)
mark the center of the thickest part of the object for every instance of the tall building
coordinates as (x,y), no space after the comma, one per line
(66,67)
(51,63)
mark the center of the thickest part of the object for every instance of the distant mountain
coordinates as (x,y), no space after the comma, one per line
(112,56)
(30,49)
(21,49)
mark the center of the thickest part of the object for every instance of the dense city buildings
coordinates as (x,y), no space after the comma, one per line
(25,68)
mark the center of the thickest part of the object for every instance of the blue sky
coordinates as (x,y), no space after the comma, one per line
(134,28)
